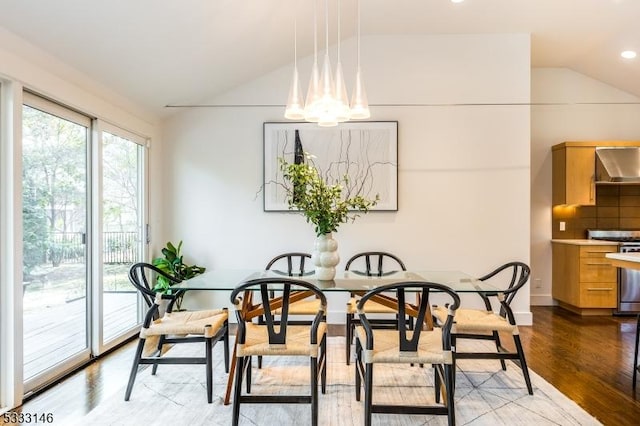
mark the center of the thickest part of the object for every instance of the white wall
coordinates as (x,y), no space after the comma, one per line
(463,162)
(578,108)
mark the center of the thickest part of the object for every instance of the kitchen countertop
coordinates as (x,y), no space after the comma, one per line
(624,260)
(586,242)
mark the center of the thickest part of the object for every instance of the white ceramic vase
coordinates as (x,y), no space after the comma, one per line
(325,257)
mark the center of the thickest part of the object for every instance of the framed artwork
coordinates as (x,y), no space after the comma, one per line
(366,151)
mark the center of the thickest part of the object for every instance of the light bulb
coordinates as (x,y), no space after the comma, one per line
(359,104)
(342,112)
(311,112)
(295,108)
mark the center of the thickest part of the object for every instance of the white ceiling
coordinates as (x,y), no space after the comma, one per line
(159,52)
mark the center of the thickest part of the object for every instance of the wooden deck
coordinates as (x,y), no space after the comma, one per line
(57,332)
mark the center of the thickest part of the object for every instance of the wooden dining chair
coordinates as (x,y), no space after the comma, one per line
(404,345)
(371,264)
(487,324)
(294,264)
(277,337)
(169,328)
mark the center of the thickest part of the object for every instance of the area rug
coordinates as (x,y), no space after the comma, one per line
(485,395)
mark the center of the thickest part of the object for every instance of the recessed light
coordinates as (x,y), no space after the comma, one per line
(628,54)
(457,1)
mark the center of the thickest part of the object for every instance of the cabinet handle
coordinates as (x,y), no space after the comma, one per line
(599,289)
(592,187)
(597,264)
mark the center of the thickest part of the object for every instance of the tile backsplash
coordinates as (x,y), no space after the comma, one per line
(617,207)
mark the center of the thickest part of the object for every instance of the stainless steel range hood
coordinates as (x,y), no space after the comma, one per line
(618,165)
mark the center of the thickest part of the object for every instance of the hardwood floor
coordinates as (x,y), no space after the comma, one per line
(81,392)
(588,359)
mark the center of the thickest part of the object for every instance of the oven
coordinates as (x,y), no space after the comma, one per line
(629,283)
(628,279)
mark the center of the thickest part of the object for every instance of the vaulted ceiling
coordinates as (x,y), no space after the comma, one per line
(158,52)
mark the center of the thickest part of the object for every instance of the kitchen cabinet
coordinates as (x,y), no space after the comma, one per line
(584,280)
(574,174)
(574,170)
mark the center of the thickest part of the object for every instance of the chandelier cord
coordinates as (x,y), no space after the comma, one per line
(358,38)
(315,31)
(295,38)
(326,23)
(338,30)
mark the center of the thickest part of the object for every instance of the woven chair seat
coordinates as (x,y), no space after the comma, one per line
(386,349)
(475,320)
(186,322)
(298,341)
(370,307)
(302,307)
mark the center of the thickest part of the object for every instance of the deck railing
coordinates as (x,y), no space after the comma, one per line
(69,247)
(120,247)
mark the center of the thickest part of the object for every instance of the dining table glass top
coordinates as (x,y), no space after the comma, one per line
(229,279)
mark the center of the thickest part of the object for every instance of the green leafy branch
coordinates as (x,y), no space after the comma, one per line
(322,203)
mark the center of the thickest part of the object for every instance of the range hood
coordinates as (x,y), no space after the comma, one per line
(620,165)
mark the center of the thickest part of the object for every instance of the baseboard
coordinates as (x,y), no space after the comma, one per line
(523,318)
(336,317)
(541,300)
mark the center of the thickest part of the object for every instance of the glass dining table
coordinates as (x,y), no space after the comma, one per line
(347,281)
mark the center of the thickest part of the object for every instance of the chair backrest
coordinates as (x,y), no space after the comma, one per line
(287,291)
(516,274)
(143,276)
(294,264)
(421,312)
(374,263)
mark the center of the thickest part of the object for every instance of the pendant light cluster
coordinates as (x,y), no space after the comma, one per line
(327,102)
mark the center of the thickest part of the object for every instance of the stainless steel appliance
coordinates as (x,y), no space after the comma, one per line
(628,279)
(619,164)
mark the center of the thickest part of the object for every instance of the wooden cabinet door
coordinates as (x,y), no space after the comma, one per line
(583,277)
(565,273)
(598,295)
(574,175)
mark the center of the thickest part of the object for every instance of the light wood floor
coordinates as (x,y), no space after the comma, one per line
(588,359)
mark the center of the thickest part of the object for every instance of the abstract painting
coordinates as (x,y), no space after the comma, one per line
(366,152)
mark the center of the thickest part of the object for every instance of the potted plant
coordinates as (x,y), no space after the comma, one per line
(325,204)
(172,263)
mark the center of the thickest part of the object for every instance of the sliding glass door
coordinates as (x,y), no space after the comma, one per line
(55,152)
(122,228)
(83,215)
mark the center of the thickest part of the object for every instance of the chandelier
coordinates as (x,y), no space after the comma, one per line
(327,102)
